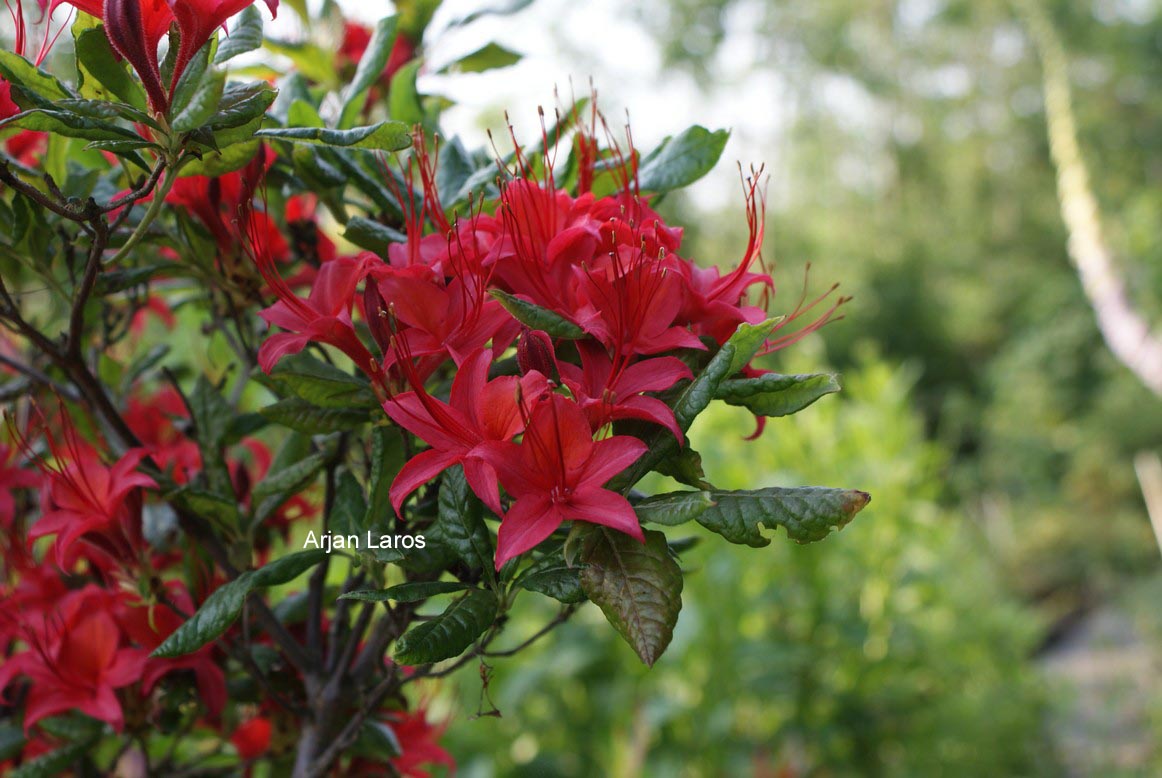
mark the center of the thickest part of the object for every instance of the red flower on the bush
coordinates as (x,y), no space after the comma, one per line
(478,411)
(557,473)
(75,659)
(87,499)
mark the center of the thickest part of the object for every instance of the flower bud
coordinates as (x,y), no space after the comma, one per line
(535,352)
(375,309)
(125,29)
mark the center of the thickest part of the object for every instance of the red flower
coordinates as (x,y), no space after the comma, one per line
(12,477)
(478,411)
(324,317)
(85,498)
(606,393)
(252,738)
(557,473)
(418,743)
(75,661)
(197,20)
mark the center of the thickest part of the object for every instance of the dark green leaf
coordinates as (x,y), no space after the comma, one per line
(638,587)
(219,510)
(674,508)
(241,104)
(808,513)
(350,505)
(372,235)
(371,67)
(211,414)
(538,318)
(202,105)
(554,579)
(298,414)
(102,73)
(387,457)
(384,136)
(282,484)
(52,764)
(324,385)
(450,633)
(682,160)
(191,80)
(244,36)
(407,592)
(222,608)
(773,394)
(460,523)
(11,741)
(70,125)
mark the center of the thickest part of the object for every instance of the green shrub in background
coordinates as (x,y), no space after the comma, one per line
(890,651)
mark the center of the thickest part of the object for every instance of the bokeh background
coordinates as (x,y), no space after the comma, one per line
(995,610)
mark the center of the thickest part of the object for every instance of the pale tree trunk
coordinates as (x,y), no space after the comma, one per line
(1125,330)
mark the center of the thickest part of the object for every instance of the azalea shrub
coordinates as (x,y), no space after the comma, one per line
(302,398)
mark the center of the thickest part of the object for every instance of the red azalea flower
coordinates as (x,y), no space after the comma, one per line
(557,473)
(607,392)
(197,20)
(76,659)
(86,498)
(478,411)
(252,738)
(324,317)
(418,744)
(12,476)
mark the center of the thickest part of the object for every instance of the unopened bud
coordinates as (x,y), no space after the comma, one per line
(535,352)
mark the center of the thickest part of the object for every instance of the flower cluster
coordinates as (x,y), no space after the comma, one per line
(605,273)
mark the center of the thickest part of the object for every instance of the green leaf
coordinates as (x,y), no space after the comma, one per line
(324,385)
(22,73)
(202,105)
(190,83)
(553,578)
(372,235)
(387,457)
(11,741)
(377,740)
(222,608)
(538,318)
(219,510)
(102,73)
(403,100)
(682,160)
(297,414)
(54,763)
(489,57)
(228,158)
(384,136)
(638,587)
(371,67)
(808,514)
(450,633)
(280,485)
(69,125)
(212,414)
(460,522)
(350,506)
(407,592)
(674,508)
(773,394)
(244,36)
(241,104)
(685,467)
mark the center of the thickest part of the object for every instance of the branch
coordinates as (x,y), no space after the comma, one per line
(1125,330)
